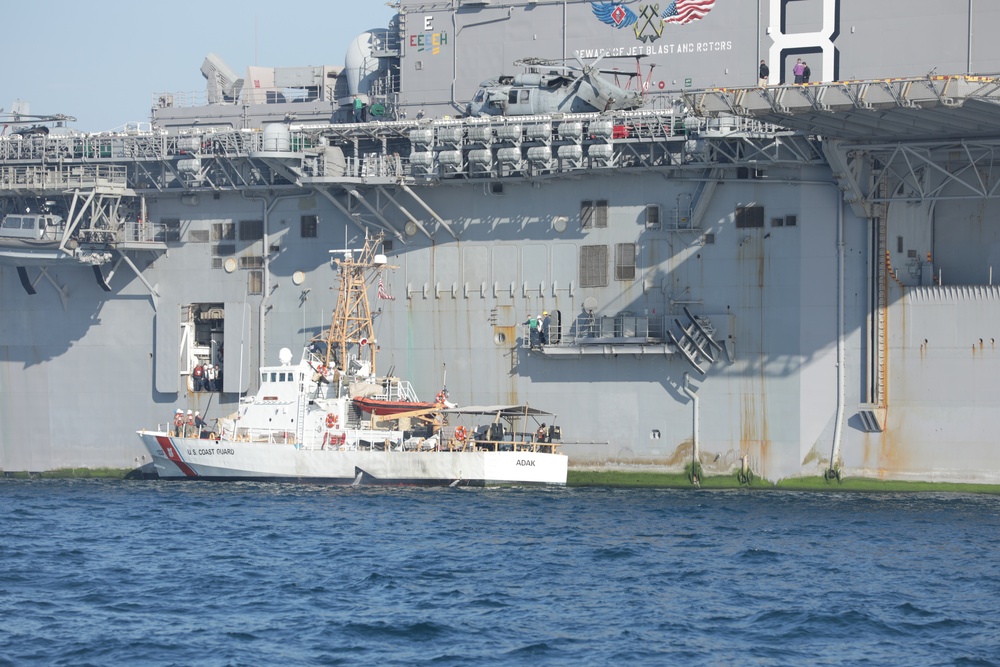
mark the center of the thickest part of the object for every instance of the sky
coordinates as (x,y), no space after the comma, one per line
(103,60)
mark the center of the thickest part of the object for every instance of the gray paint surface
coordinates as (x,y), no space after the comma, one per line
(77,380)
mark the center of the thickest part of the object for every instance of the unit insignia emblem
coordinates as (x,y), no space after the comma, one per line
(648,23)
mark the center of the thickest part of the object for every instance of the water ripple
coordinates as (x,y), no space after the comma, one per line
(123,573)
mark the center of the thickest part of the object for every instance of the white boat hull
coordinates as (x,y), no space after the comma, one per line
(191,458)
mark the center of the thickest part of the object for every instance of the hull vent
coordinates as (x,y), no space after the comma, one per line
(872,418)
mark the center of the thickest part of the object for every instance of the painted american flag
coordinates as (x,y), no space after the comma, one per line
(685,11)
(382,294)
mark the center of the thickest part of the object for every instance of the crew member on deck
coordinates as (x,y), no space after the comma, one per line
(178,422)
(199,425)
(189,429)
(798,69)
(533,331)
(541,433)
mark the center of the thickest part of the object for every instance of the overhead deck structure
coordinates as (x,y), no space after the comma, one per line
(918,108)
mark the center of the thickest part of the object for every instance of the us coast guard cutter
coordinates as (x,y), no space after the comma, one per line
(320,421)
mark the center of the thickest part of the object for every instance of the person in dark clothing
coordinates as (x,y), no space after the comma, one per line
(762,74)
(806,72)
(546,322)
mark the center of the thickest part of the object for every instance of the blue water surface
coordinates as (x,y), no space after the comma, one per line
(194,573)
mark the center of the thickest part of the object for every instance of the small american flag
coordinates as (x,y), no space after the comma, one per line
(382,294)
(685,11)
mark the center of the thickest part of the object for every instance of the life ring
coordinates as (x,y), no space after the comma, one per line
(461,434)
(321,370)
(331,420)
(439,399)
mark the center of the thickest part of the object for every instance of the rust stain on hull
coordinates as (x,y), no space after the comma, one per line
(682,454)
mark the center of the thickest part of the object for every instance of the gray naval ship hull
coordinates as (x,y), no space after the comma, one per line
(813,298)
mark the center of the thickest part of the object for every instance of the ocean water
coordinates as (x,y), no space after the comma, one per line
(195,573)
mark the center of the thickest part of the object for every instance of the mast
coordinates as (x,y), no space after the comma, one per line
(351,325)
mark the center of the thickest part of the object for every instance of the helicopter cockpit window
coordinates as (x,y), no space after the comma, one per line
(480,96)
(524,96)
(512,97)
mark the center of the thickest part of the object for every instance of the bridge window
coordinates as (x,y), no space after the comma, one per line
(251,230)
(594,214)
(223,231)
(749,216)
(652,216)
(625,261)
(594,266)
(310,226)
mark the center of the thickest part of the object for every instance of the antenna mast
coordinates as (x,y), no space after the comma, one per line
(351,326)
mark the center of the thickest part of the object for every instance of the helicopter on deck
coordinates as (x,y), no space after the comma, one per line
(547,87)
(24,124)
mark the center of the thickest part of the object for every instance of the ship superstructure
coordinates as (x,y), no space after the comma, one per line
(798,275)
